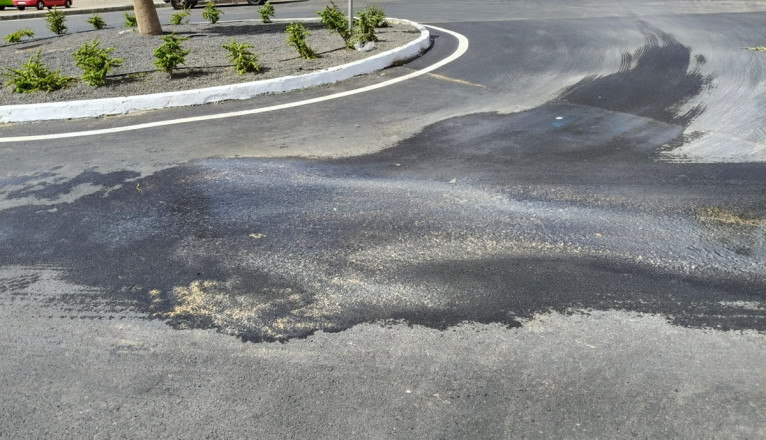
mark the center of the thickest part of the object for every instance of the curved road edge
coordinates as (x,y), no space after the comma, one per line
(461,49)
(92,108)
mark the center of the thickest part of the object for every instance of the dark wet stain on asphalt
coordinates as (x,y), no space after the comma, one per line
(655,82)
(487,218)
(60,187)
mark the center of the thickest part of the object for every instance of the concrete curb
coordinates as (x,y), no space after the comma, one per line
(40,14)
(129,104)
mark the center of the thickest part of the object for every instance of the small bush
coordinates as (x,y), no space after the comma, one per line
(365,27)
(170,53)
(211,13)
(130,20)
(244,61)
(377,15)
(16,36)
(95,62)
(56,19)
(33,76)
(336,21)
(97,22)
(266,11)
(179,17)
(754,48)
(296,37)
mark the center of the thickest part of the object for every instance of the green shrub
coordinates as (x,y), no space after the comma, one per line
(336,21)
(97,22)
(179,17)
(296,37)
(754,48)
(266,11)
(33,76)
(244,61)
(130,20)
(95,62)
(56,19)
(170,53)
(16,36)
(364,31)
(211,13)
(377,15)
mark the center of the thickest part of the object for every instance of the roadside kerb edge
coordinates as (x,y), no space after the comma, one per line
(75,11)
(462,48)
(128,104)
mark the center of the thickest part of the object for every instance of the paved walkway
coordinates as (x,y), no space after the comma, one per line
(78,7)
(83,4)
(88,7)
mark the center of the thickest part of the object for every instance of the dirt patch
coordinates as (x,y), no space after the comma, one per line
(725,217)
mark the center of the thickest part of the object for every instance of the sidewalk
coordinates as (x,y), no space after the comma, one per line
(78,7)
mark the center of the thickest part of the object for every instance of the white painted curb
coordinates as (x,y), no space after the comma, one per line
(128,104)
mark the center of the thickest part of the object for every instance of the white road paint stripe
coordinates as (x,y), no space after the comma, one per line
(461,49)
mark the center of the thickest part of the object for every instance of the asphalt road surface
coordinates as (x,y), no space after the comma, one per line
(561,234)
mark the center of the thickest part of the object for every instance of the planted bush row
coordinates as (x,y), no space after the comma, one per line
(96,63)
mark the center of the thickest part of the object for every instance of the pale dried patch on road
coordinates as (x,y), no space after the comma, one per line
(727,217)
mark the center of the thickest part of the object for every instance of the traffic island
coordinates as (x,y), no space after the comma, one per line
(206,76)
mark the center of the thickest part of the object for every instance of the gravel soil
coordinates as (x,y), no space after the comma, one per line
(206,65)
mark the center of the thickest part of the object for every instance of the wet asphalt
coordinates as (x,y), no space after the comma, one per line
(576,181)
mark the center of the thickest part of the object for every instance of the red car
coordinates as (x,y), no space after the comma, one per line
(41,4)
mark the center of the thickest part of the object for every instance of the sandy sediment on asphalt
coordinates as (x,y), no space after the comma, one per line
(206,65)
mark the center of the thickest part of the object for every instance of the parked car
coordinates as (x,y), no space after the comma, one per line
(4,3)
(41,4)
(182,4)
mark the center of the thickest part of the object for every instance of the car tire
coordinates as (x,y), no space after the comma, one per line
(178,4)
(68,4)
(40,5)
(256,2)
(21,8)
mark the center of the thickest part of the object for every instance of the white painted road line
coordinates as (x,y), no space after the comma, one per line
(461,49)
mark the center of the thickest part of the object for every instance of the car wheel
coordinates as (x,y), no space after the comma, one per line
(68,4)
(21,8)
(256,2)
(178,4)
(40,5)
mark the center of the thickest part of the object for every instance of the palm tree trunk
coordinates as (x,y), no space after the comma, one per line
(146,17)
